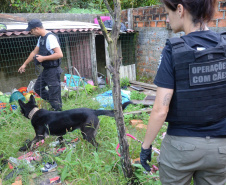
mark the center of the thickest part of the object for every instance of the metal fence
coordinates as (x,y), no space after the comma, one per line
(80,49)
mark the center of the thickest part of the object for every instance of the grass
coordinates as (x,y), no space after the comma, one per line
(82,164)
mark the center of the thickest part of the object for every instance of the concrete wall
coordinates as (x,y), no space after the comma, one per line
(153,32)
(53,17)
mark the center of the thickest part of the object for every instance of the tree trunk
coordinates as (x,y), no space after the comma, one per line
(115,62)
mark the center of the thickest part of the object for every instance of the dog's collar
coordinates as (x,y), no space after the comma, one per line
(33,111)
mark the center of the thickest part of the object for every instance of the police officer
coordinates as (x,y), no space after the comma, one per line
(47,53)
(191,98)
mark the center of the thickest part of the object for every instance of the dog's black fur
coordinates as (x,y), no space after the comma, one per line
(58,123)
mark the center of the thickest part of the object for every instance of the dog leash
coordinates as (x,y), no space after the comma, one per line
(154,149)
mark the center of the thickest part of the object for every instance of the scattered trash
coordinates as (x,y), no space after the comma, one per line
(40,143)
(51,181)
(14,173)
(31,85)
(16,96)
(54,143)
(18,181)
(163,135)
(48,167)
(59,151)
(4,105)
(101,80)
(74,80)
(73,142)
(106,99)
(31,156)
(16,162)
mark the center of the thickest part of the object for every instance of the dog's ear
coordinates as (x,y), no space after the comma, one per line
(32,99)
(21,103)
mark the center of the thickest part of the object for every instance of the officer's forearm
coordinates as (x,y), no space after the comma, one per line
(30,58)
(158,115)
(154,125)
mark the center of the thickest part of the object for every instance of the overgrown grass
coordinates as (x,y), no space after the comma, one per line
(82,164)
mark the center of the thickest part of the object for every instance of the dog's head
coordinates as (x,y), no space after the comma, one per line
(27,107)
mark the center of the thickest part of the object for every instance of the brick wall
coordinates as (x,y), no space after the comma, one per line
(153,30)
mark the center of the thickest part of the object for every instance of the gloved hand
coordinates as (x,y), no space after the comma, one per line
(144,156)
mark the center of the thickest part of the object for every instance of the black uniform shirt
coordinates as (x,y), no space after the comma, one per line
(165,78)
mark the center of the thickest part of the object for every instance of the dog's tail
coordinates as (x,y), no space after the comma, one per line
(111,112)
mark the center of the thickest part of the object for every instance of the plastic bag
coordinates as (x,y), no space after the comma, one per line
(31,85)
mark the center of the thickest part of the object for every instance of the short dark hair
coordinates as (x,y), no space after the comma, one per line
(202,11)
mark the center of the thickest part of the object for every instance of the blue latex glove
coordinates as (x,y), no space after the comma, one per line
(145,156)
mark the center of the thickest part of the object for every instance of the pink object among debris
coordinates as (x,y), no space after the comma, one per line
(103,18)
(30,156)
(90,82)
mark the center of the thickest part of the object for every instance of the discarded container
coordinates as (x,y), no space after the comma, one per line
(16,96)
(22,89)
(31,85)
(75,80)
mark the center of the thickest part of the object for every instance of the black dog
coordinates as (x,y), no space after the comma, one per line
(58,123)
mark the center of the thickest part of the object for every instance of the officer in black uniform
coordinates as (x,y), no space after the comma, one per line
(47,53)
(191,82)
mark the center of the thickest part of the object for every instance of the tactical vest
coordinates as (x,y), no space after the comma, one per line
(44,52)
(200,83)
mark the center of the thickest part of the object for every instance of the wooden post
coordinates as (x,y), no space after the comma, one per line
(107,61)
(130,18)
(68,53)
(93,57)
(115,62)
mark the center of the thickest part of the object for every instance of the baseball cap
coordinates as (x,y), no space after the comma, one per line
(33,24)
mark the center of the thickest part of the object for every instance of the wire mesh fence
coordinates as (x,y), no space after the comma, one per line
(78,50)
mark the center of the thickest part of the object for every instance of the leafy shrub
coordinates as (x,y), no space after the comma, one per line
(124,82)
(63,6)
(85,11)
(135,95)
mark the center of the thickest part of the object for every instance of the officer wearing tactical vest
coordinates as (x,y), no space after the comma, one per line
(47,53)
(191,97)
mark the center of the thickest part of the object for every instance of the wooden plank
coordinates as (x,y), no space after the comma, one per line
(144,85)
(144,102)
(134,72)
(137,88)
(138,112)
(128,71)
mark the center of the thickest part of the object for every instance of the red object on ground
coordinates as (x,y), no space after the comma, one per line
(10,166)
(3,105)
(22,89)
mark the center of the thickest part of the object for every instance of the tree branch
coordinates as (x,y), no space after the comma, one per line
(109,8)
(104,30)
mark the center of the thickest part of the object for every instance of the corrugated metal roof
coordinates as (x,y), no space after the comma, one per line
(18,28)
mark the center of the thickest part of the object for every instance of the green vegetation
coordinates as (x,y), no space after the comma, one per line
(80,165)
(135,95)
(67,6)
(124,82)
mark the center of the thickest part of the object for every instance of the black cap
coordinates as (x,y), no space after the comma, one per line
(33,24)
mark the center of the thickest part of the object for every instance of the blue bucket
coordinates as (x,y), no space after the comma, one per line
(17,95)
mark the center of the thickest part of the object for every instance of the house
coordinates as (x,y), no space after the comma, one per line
(83,46)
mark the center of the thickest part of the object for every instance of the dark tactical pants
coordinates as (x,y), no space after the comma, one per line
(50,77)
